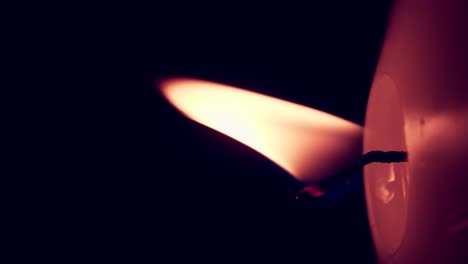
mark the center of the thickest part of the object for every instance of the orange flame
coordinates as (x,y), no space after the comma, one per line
(307,143)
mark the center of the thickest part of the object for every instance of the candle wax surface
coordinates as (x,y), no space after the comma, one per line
(419,102)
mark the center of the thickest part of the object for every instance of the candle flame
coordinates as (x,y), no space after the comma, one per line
(307,143)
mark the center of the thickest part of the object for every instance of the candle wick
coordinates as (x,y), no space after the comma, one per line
(351,178)
(384,157)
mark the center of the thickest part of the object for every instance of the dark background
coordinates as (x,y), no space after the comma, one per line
(99,167)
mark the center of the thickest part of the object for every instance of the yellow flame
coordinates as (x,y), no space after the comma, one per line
(308,143)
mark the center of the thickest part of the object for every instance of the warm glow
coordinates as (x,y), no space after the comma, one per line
(383,192)
(307,143)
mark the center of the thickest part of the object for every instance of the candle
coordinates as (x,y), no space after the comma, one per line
(418,211)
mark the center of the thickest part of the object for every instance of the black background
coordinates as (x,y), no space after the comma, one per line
(99,167)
